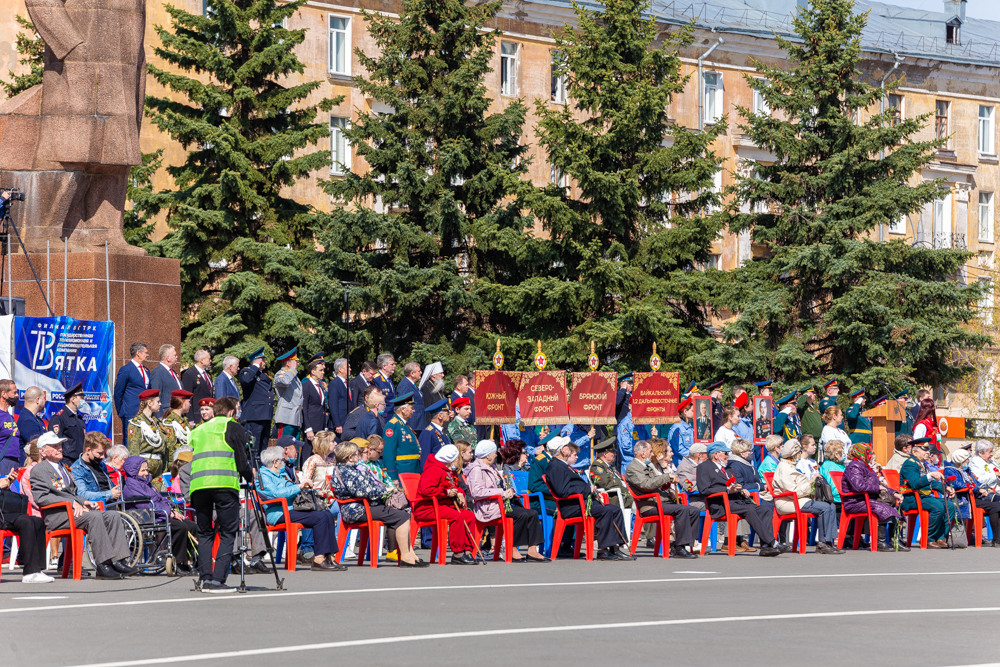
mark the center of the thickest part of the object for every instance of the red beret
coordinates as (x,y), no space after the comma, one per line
(685,404)
(148,394)
(181,393)
(206,401)
(459,402)
(741,401)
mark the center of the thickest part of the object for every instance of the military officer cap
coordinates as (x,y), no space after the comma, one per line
(78,389)
(808,388)
(181,393)
(291,355)
(440,406)
(829,383)
(549,437)
(786,398)
(405,399)
(626,378)
(715,385)
(605,445)
(901,394)
(763,383)
(879,401)
(256,355)
(460,402)
(316,357)
(145,395)
(921,442)
(206,401)
(362,443)
(693,387)
(859,392)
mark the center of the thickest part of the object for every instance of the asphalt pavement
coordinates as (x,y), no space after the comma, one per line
(920,608)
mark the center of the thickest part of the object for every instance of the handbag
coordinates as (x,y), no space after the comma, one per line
(959,537)
(308,501)
(821,491)
(397,501)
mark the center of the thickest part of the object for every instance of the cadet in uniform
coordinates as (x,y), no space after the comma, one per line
(288,415)
(149,438)
(623,399)
(67,423)
(809,414)
(433,437)
(459,428)
(786,422)
(832,389)
(859,427)
(603,472)
(258,400)
(402,450)
(11,449)
(176,418)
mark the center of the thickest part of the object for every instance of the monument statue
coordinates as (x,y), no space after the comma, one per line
(69,142)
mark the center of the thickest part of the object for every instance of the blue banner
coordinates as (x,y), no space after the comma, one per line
(55,353)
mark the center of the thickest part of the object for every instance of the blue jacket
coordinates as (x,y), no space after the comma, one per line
(258,395)
(338,401)
(226,386)
(680,438)
(161,379)
(744,429)
(388,391)
(275,485)
(30,427)
(744,473)
(128,385)
(86,482)
(418,420)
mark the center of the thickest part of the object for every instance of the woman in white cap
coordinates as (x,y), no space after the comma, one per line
(788,479)
(440,481)
(977,475)
(489,490)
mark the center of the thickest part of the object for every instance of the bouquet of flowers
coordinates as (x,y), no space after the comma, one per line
(508,482)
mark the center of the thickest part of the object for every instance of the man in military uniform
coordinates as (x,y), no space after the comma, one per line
(386,364)
(623,399)
(67,423)
(402,449)
(604,475)
(902,427)
(786,422)
(812,420)
(459,428)
(10,439)
(288,415)
(433,437)
(832,389)
(859,427)
(149,438)
(258,400)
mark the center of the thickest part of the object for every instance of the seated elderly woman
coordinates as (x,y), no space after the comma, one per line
(114,459)
(273,483)
(440,481)
(139,493)
(489,489)
(833,452)
(513,457)
(350,481)
(787,479)
(318,467)
(863,477)
(985,485)
(742,470)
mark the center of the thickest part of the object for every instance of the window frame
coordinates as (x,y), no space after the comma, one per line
(715,90)
(986,129)
(558,94)
(899,227)
(508,69)
(898,115)
(336,130)
(987,224)
(942,121)
(759,104)
(330,42)
(941,231)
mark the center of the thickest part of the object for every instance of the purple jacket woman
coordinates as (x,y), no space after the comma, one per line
(859,478)
(141,487)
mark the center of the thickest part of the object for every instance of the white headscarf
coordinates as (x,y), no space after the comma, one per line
(485,448)
(447,454)
(429,370)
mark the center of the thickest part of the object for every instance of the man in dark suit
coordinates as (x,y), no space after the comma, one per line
(360,383)
(385,364)
(314,389)
(609,523)
(132,379)
(712,478)
(258,400)
(29,421)
(339,395)
(197,381)
(164,378)
(408,385)
(227,383)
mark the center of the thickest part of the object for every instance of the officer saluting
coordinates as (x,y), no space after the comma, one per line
(859,427)
(433,437)
(258,400)
(402,450)
(786,422)
(67,423)
(832,389)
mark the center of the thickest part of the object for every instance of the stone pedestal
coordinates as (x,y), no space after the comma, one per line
(145,294)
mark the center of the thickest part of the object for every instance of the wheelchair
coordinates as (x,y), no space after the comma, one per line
(148,535)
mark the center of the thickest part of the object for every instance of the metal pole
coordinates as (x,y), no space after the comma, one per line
(48,276)
(10,279)
(65,270)
(347,317)
(107,279)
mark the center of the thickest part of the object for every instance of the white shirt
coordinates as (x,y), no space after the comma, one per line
(831,433)
(920,431)
(142,370)
(985,472)
(726,435)
(807,467)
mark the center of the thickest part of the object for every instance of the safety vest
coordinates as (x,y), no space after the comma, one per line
(213,462)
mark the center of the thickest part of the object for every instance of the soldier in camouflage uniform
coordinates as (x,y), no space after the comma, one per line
(149,438)
(175,418)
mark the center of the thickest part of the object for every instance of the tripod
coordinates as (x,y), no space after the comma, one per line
(252,504)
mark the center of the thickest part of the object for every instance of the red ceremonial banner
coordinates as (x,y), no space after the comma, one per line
(496,397)
(592,400)
(542,398)
(655,398)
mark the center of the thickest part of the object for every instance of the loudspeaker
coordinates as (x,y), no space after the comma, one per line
(18,305)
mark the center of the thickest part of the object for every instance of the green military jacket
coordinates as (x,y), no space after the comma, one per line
(149,438)
(859,427)
(812,420)
(402,449)
(607,478)
(459,430)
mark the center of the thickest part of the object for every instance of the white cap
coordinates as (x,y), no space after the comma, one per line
(49,438)
(557,443)
(484,448)
(447,454)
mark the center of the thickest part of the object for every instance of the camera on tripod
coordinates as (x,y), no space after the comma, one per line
(8,195)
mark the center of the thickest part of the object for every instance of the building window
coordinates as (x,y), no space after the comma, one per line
(713,96)
(508,69)
(896,109)
(340,147)
(986,217)
(340,45)
(717,189)
(985,129)
(941,109)
(759,103)
(986,302)
(898,226)
(984,391)
(953,33)
(942,222)
(559,94)
(558,177)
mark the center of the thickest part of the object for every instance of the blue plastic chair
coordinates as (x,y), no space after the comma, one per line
(548,523)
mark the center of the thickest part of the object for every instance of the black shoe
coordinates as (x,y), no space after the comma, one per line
(650,543)
(123,567)
(302,560)
(783,547)
(607,554)
(327,566)
(184,570)
(995,543)
(531,559)
(770,550)
(212,587)
(417,563)
(827,548)
(681,552)
(464,559)
(259,567)
(106,571)
(900,546)
(623,554)
(885,547)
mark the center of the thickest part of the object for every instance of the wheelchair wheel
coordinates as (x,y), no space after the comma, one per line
(169,566)
(133,535)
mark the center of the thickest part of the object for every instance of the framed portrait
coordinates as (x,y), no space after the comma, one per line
(704,429)
(761,419)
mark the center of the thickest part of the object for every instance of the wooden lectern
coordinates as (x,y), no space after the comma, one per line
(883,420)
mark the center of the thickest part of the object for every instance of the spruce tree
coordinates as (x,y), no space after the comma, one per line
(30,46)
(825,298)
(615,261)
(437,205)
(250,135)
(138,224)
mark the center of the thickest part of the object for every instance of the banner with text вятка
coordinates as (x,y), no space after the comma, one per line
(55,353)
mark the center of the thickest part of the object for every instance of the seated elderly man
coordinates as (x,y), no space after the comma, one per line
(687,473)
(52,482)
(645,479)
(603,471)
(609,523)
(903,446)
(713,479)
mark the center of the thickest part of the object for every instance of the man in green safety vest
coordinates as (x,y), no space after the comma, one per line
(218,460)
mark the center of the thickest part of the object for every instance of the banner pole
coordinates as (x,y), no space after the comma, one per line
(65,270)
(107,280)
(48,276)
(10,279)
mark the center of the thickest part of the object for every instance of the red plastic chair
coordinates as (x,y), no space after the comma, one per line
(368,533)
(75,536)
(974,524)
(845,519)
(731,521)
(892,479)
(288,527)
(661,520)
(504,528)
(439,526)
(800,519)
(587,523)
(4,534)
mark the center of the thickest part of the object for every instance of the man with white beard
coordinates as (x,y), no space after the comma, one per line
(432,383)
